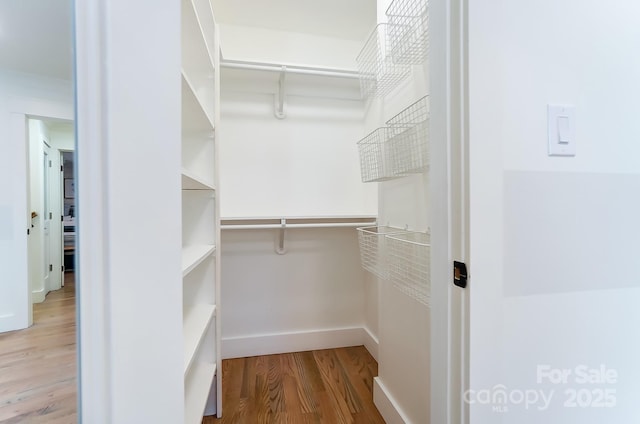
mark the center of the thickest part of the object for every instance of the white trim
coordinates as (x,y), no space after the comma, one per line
(38,296)
(92,235)
(449,348)
(371,342)
(22,316)
(299,341)
(387,405)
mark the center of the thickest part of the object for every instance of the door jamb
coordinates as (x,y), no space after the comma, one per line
(449,306)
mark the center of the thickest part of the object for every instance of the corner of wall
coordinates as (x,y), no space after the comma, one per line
(370,341)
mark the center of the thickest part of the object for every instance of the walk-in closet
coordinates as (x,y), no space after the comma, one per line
(322,153)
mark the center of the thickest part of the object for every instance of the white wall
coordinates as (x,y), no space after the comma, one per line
(402,391)
(553,240)
(304,165)
(403,323)
(62,136)
(308,298)
(36,96)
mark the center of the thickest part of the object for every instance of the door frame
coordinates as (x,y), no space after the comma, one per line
(55,279)
(47,254)
(19,114)
(62,152)
(450,232)
(51,190)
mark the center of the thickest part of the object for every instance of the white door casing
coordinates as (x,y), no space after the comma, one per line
(47,215)
(55,202)
(449,306)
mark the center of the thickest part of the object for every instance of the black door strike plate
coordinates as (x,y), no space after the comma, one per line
(460,274)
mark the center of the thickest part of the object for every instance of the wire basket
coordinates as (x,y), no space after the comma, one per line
(408,31)
(378,72)
(408,145)
(409,264)
(372,248)
(374,156)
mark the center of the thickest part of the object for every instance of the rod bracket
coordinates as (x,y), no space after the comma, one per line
(280,250)
(280,104)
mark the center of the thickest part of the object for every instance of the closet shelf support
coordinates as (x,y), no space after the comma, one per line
(279,98)
(280,250)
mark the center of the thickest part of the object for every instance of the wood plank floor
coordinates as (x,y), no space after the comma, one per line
(38,378)
(38,364)
(332,386)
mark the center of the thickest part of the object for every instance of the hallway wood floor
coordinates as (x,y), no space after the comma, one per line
(332,386)
(38,364)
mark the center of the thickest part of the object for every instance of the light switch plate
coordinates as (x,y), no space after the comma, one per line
(562,138)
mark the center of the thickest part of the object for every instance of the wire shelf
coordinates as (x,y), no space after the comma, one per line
(372,248)
(408,31)
(378,72)
(408,147)
(409,264)
(374,156)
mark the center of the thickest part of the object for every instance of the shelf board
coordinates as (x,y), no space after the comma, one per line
(197,389)
(196,322)
(191,181)
(192,256)
(265,81)
(195,113)
(198,35)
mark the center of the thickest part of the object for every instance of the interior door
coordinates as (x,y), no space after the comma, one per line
(47,216)
(62,227)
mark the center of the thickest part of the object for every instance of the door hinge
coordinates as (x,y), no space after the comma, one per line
(50,267)
(50,215)
(62,218)
(49,164)
(61,268)
(28,232)
(460,274)
(61,168)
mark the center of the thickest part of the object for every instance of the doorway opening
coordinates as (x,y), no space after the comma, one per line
(69,216)
(51,202)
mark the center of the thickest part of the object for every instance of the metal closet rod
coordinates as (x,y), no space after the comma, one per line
(293,69)
(285,223)
(278,226)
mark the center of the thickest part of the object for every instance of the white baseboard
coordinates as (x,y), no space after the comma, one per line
(371,343)
(387,405)
(301,341)
(7,323)
(38,296)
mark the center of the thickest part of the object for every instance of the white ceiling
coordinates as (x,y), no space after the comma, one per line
(36,37)
(347,19)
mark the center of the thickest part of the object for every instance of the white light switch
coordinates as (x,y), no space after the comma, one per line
(562,130)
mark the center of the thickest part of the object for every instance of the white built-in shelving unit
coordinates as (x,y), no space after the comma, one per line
(200,211)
